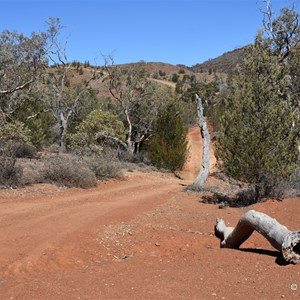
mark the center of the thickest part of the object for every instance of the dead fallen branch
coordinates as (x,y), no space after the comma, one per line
(284,240)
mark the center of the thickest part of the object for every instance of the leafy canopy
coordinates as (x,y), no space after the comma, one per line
(168,147)
(258,134)
(98,121)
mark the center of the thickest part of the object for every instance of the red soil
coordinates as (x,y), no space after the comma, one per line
(139,238)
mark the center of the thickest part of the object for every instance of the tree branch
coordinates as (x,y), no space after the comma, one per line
(35,115)
(20,87)
(112,139)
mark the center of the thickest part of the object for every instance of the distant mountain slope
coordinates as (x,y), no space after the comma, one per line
(162,72)
(159,72)
(222,64)
(162,69)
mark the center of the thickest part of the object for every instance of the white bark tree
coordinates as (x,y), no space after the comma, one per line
(283,32)
(205,164)
(59,101)
(138,97)
(64,98)
(21,60)
(281,238)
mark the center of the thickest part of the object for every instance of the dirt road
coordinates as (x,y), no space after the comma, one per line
(139,238)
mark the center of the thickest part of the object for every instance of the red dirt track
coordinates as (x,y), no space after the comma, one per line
(139,238)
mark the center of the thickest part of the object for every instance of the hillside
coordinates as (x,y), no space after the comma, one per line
(158,71)
(161,68)
(161,72)
(223,64)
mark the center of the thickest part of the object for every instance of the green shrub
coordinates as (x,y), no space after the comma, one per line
(257,141)
(86,64)
(12,133)
(174,77)
(161,73)
(85,142)
(24,150)
(168,147)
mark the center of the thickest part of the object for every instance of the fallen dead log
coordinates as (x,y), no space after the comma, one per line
(284,240)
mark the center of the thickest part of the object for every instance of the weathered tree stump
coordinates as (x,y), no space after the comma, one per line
(284,240)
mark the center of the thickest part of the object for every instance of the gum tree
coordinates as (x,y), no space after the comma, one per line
(139,98)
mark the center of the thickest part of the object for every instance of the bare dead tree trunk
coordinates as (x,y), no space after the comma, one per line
(284,240)
(205,164)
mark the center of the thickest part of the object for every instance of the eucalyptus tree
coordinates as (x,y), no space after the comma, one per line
(282,33)
(64,98)
(21,60)
(139,98)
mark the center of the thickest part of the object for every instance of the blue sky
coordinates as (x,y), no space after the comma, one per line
(172,31)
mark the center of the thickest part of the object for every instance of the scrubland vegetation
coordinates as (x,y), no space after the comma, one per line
(92,121)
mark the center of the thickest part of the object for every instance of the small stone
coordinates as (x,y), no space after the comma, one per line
(157,244)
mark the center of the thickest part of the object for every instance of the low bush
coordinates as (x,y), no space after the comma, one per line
(242,198)
(293,187)
(32,170)
(135,158)
(104,167)
(24,150)
(12,134)
(10,173)
(68,171)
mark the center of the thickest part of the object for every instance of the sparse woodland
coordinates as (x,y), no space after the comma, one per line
(94,118)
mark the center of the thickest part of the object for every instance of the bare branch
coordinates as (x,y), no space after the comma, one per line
(35,115)
(283,31)
(20,87)
(100,136)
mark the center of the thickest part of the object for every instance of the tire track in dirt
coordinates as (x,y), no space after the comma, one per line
(139,238)
(34,233)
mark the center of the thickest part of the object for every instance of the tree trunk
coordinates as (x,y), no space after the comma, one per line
(284,240)
(205,165)
(64,122)
(130,143)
